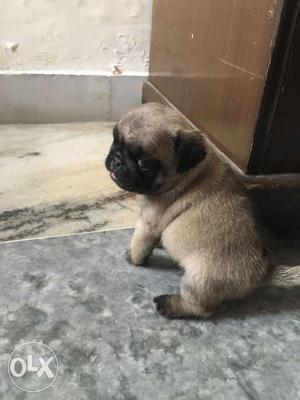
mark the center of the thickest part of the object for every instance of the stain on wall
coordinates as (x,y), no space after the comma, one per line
(110,36)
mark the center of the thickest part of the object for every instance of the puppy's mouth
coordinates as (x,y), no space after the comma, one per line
(121,183)
(113,176)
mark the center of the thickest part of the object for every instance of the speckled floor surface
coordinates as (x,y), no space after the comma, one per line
(53,181)
(78,295)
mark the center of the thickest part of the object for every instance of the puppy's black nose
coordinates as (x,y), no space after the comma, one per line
(117,162)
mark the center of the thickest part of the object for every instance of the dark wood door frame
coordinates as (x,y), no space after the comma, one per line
(281,57)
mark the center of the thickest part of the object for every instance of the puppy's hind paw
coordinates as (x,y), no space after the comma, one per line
(161,303)
(170,306)
(164,306)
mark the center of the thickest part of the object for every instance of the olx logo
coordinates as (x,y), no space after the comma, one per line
(33,367)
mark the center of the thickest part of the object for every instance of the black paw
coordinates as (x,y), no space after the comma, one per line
(163,305)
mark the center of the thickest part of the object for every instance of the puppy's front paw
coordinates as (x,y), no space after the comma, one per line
(132,261)
(128,256)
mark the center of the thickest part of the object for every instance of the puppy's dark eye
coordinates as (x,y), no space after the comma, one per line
(143,164)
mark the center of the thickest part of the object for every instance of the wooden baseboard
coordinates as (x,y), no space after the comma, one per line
(277,196)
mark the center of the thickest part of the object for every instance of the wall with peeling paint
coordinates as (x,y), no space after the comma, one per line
(89,36)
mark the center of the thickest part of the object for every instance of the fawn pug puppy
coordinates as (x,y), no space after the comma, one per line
(193,203)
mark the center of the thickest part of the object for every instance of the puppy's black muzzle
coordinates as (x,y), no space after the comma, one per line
(118,171)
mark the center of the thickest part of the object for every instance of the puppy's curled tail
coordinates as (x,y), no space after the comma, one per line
(283,276)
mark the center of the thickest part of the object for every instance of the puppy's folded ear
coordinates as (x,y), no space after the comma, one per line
(189,150)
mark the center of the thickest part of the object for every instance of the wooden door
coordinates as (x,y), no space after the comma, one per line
(210,58)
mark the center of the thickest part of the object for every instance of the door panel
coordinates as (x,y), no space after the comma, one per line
(210,58)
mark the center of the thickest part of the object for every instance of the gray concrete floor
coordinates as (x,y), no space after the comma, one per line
(53,181)
(78,295)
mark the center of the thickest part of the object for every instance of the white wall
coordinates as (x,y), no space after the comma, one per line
(72,60)
(88,36)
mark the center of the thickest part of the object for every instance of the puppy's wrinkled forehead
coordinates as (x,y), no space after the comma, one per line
(152,126)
